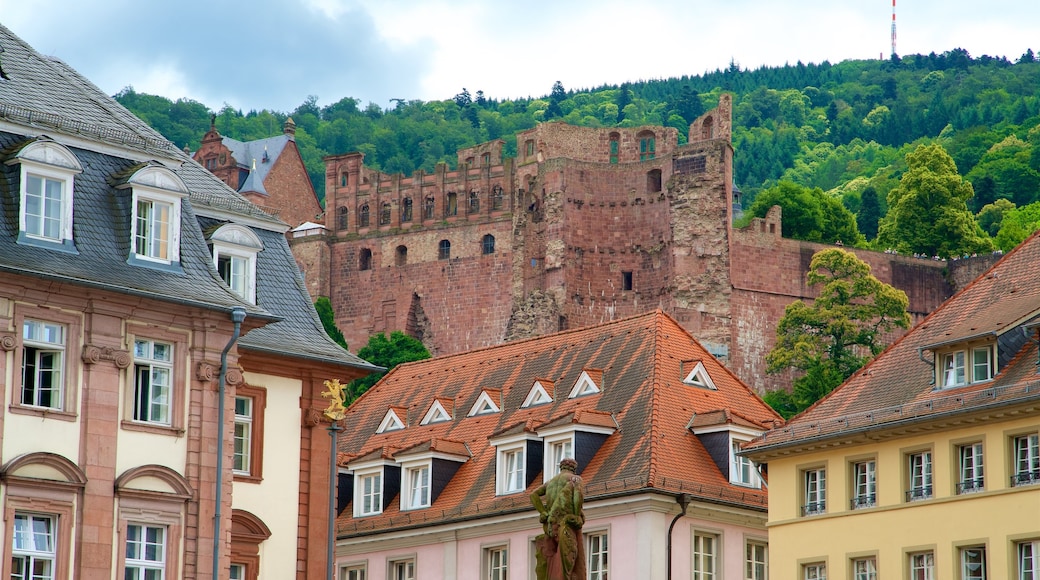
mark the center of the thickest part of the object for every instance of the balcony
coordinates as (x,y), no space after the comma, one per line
(970,486)
(814,508)
(1025,478)
(918,493)
(863,501)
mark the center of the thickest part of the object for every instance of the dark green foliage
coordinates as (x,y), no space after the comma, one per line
(808,214)
(869,213)
(328,319)
(557,96)
(386,352)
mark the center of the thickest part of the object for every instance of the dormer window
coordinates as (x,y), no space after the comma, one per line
(45,201)
(485,405)
(391,422)
(698,376)
(723,432)
(539,394)
(155,230)
(235,248)
(742,471)
(426,470)
(969,365)
(587,383)
(376,481)
(437,414)
(578,435)
(518,457)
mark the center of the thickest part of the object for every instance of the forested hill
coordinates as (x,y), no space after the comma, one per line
(842,127)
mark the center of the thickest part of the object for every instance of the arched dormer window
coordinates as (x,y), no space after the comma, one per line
(235,248)
(47,174)
(155,221)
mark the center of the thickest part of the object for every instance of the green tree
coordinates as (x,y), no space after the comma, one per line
(869,213)
(928,212)
(1017,225)
(808,214)
(992,215)
(839,332)
(328,319)
(555,98)
(386,352)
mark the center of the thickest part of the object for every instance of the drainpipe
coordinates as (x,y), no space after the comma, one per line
(684,502)
(238,314)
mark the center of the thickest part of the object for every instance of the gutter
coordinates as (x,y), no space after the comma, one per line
(237,316)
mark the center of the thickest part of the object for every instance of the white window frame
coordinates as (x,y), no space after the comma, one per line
(973,563)
(919,469)
(368,492)
(436,414)
(403,569)
(390,422)
(814,571)
(922,566)
(814,482)
(353,572)
(47,160)
(969,365)
(864,568)
(1027,558)
(160,242)
(584,386)
(243,445)
(986,365)
(705,556)
(137,566)
(557,448)
(741,469)
(597,555)
(416,485)
(237,244)
(158,403)
(512,468)
(538,395)
(864,484)
(484,405)
(756,560)
(495,563)
(1026,459)
(32,546)
(238,572)
(954,369)
(41,339)
(970,468)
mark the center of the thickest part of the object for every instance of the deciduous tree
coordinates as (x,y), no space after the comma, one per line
(386,352)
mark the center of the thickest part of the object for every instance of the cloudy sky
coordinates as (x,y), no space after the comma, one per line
(272,54)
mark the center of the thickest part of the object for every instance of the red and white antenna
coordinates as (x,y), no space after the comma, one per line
(893,27)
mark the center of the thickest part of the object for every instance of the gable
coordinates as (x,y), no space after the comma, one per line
(538,395)
(436,414)
(698,376)
(391,422)
(484,405)
(585,385)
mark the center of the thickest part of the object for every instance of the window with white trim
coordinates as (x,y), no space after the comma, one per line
(496,563)
(864,568)
(1028,560)
(153,381)
(971,365)
(556,451)
(1026,468)
(741,470)
(33,551)
(919,467)
(973,563)
(243,435)
(864,484)
(705,554)
(235,248)
(47,176)
(156,227)
(815,484)
(816,571)
(43,364)
(145,552)
(355,572)
(511,469)
(596,552)
(922,566)
(756,560)
(402,570)
(536,396)
(970,468)
(368,493)
(417,488)
(238,572)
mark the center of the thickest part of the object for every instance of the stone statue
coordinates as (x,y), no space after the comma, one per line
(560,551)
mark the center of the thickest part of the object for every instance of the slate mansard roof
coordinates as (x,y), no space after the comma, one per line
(898,390)
(638,364)
(42,97)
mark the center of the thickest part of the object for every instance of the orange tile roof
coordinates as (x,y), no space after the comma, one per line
(898,387)
(637,360)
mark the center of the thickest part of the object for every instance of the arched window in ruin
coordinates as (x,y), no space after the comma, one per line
(428,208)
(444,250)
(362,218)
(653,181)
(647,145)
(365,259)
(474,201)
(451,205)
(496,197)
(401,255)
(487,244)
(615,146)
(406,209)
(341,218)
(343,180)
(384,214)
(708,128)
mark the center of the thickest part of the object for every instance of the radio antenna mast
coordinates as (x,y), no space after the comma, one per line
(893,28)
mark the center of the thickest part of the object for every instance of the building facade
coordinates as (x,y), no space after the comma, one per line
(439,459)
(925,463)
(153,329)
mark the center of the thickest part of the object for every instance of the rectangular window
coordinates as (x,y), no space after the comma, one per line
(973,563)
(402,570)
(33,554)
(626,280)
(558,450)
(371,492)
(756,561)
(596,554)
(981,365)
(864,482)
(44,207)
(234,270)
(815,492)
(153,371)
(528,148)
(741,471)
(922,566)
(496,561)
(1027,460)
(864,569)
(145,552)
(920,470)
(153,231)
(418,487)
(513,471)
(1029,560)
(43,364)
(243,435)
(815,572)
(953,369)
(238,572)
(970,468)
(704,555)
(352,573)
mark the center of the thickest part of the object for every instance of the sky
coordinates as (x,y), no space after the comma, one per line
(274,54)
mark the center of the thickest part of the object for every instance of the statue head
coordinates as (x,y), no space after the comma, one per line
(569,464)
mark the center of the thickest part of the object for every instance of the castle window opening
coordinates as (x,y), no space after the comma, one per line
(653,181)
(444,250)
(384,215)
(529,148)
(341,218)
(474,201)
(647,146)
(401,255)
(626,280)
(615,146)
(362,218)
(365,259)
(406,209)
(496,197)
(486,159)
(469,161)
(488,244)
(428,206)
(211,163)
(451,205)
(343,180)
(708,128)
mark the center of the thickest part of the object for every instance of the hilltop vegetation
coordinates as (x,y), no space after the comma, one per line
(840,132)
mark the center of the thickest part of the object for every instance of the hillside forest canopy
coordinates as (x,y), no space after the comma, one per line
(832,136)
